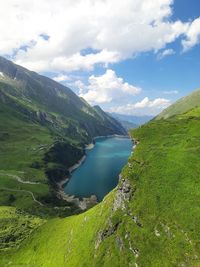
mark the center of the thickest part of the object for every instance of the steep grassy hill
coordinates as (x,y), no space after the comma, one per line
(181,106)
(44,128)
(150,219)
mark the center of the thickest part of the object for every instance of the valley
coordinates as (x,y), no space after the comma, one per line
(44,130)
(99,173)
(151,217)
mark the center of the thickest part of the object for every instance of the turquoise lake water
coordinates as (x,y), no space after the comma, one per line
(99,173)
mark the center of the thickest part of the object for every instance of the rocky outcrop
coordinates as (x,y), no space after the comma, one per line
(119,243)
(83,204)
(43,117)
(123,194)
(108,231)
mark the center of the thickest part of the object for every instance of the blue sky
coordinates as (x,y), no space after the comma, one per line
(132,57)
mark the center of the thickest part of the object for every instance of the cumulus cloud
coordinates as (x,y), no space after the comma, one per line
(158,103)
(165,53)
(71,63)
(192,35)
(61,78)
(106,88)
(50,35)
(145,106)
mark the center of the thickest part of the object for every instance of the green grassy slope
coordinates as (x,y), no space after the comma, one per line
(150,219)
(52,104)
(16,226)
(44,127)
(182,105)
(23,182)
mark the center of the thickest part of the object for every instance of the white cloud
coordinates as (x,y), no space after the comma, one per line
(61,78)
(109,30)
(165,53)
(106,88)
(192,35)
(158,103)
(144,107)
(172,92)
(71,63)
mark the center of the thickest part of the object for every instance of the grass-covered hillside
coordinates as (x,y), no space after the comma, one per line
(150,219)
(44,127)
(182,105)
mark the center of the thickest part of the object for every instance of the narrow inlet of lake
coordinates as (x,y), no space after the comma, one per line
(99,173)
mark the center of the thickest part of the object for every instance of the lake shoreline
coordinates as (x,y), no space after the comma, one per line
(85,202)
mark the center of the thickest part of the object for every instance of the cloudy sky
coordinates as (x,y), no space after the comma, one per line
(130,56)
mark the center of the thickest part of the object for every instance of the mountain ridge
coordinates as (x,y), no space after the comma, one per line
(181,106)
(150,219)
(48,126)
(48,94)
(137,120)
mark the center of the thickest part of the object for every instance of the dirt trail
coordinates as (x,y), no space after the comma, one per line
(19,179)
(26,191)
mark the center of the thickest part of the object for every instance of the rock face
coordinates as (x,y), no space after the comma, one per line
(111,228)
(43,117)
(123,194)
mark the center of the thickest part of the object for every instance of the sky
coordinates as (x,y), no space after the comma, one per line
(131,57)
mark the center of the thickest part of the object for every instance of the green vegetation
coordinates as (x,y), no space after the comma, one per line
(44,128)
(23,183)
(150,219)
(181,106)
(15,227)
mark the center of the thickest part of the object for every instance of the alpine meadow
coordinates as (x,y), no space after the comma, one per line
(100,133)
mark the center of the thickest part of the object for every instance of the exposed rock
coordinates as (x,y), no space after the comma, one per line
(83,204)
(135,219)
(102,235)
(123,194)
(87,202)
(134,250)
(119,243)
(43,117)
(157,233)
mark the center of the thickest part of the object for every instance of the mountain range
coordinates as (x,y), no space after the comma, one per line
(150,219)
(135,120)
(44,130)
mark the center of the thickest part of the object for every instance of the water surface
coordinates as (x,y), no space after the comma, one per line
(99,173)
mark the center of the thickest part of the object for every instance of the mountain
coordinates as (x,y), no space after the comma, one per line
(127,124)
(137,120)
(150,219)
(108,119)
(47,101)
(44,128)
(181,106)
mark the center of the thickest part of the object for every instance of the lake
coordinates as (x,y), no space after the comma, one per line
(99,173)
